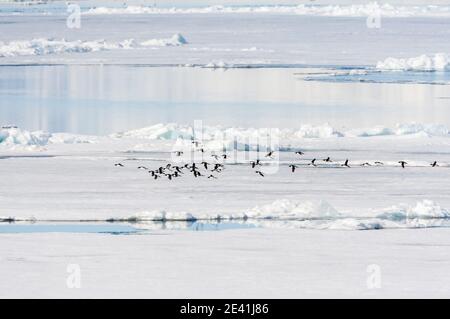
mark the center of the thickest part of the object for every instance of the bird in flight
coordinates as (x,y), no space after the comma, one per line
(313,162)
(254,163)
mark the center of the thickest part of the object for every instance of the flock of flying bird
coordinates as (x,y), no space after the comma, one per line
(171,171)
(211,170)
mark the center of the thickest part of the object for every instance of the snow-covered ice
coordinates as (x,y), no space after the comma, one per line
(437,62)
(261,263)
(309,34)
(356,10)
(82,181)
(125,89)
(51,46)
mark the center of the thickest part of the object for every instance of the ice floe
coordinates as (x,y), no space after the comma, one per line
(401,129)
(354,10)
(286,209)
(14,136)
(42,46)
(222,138)
(176,40)
(319,215)
(173,131)
(425,209)
(436,62)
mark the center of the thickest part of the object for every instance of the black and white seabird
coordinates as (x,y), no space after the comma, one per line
(346,163)
(197,174)
(403,163)
(119,164)
(254,163)
(313,162)
(293,167)
(260,173)
(178,169)
(434,164)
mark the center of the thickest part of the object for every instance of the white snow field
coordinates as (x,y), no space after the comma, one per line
(87,114)
(73,177)
(243,35)
(261,263)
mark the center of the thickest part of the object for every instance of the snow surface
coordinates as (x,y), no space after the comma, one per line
(315,231)
(320,35)
(257,263)
(82,183)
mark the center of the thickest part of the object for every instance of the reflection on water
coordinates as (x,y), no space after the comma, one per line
(8,226)
(105,99)
(116,229)
(141,227)
(374,76)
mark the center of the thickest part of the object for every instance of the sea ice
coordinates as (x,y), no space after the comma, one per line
(436,62)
